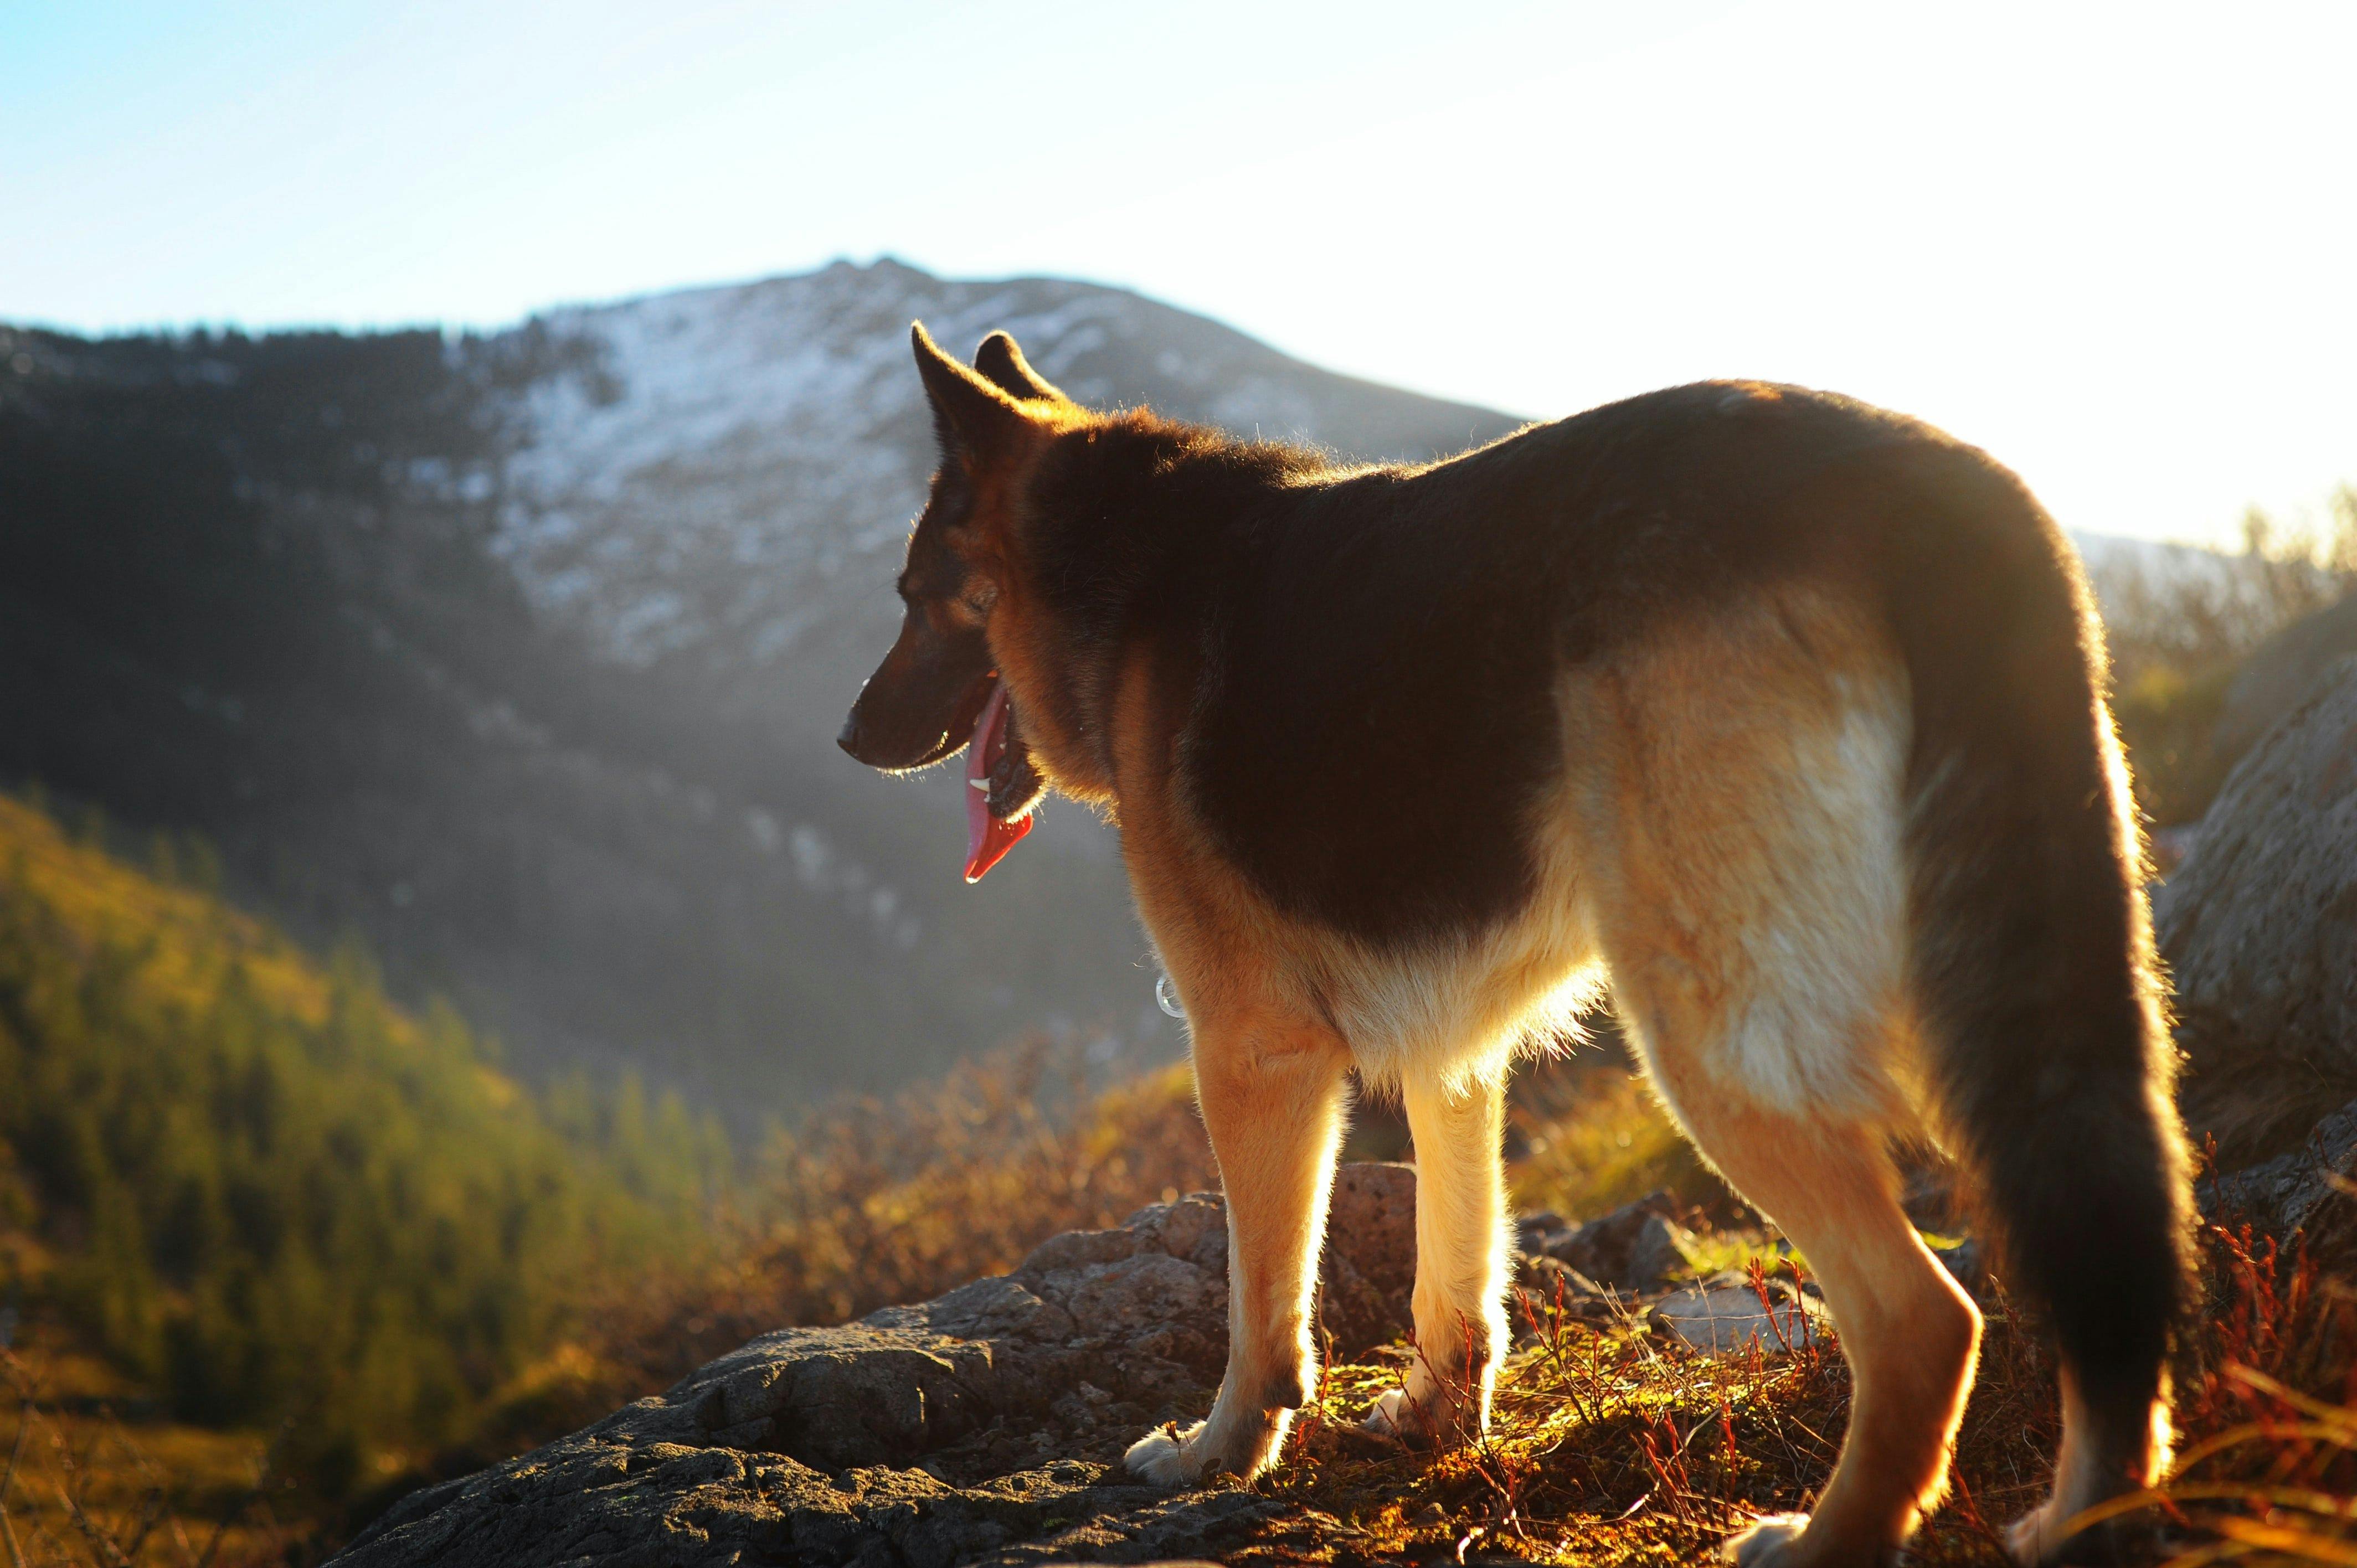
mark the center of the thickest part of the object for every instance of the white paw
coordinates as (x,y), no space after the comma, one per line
(1765,1542)
(1438,1414)
(1160,1458)
(1221,1445)
(1392,1416)
(2036,1537)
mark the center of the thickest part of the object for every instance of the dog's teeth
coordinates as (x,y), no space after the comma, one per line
(979,783)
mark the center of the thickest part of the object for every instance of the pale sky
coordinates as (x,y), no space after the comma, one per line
(2112,243)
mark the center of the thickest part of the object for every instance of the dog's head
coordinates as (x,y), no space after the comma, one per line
(939,683)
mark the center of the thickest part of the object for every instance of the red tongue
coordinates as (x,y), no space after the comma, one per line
(988,838)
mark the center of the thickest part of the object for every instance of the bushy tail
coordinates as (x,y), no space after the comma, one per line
(2033,967)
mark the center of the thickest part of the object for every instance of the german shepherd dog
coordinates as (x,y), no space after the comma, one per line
(1782,713)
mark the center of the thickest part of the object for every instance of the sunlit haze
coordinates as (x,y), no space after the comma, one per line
(2113,245)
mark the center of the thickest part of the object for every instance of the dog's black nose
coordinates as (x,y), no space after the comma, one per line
(849,738)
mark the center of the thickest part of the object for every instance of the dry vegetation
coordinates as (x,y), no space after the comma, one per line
(880,1202)
(90,1476)
(1591,1139)
(1612,1444)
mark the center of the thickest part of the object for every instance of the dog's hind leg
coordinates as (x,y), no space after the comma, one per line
(1776,1041)
(1911,1334)
(1460,1261)
(1271,1089)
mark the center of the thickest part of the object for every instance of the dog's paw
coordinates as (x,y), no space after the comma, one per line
(1399,1418)
(1221,1445)
(1766,1542)
(2043,1538)
(1161,1458)
(1426,1419)
(2027,1539)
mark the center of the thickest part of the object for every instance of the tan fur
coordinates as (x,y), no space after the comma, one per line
(1739,782)
(1271,1089)
(1911,1334)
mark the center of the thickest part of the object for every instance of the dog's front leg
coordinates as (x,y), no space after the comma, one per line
(1272,1095)
(1460,1262)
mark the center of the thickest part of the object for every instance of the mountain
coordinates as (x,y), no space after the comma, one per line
(2129,575)
(520,656)
(725,475)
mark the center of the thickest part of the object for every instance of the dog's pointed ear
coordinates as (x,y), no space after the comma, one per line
(970,414)
(1004,363)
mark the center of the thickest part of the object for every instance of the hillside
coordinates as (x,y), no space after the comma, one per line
(239,1188)
(521,657)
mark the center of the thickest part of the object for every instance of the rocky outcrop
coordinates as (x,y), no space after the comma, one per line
(2259,927)
(984,1426)
(2311,1192)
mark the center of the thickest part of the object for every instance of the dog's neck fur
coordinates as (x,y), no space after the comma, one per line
(1121,533)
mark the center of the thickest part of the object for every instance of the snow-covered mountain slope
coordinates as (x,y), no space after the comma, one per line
(2119,567)
(727,474)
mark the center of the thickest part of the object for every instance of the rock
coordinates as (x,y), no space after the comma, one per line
(1535,1232)
(2312,1191)
(1635,1249)
(1546,1285)
(2259,927)
(1371,1221)
(1547,1278)
(1663,1250)
(2278,676)
(836,1398)
(1725,1317)
(985,1427)
(585,1501)
(1368,1274)
(1137,1295)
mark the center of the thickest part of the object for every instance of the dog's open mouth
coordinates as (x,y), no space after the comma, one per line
(1001,786)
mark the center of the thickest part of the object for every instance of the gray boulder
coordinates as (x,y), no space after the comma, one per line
(2311,1191)
(985,1427)
(1729,1318)
(1636,1249)
(2259,927)
(2280,673)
